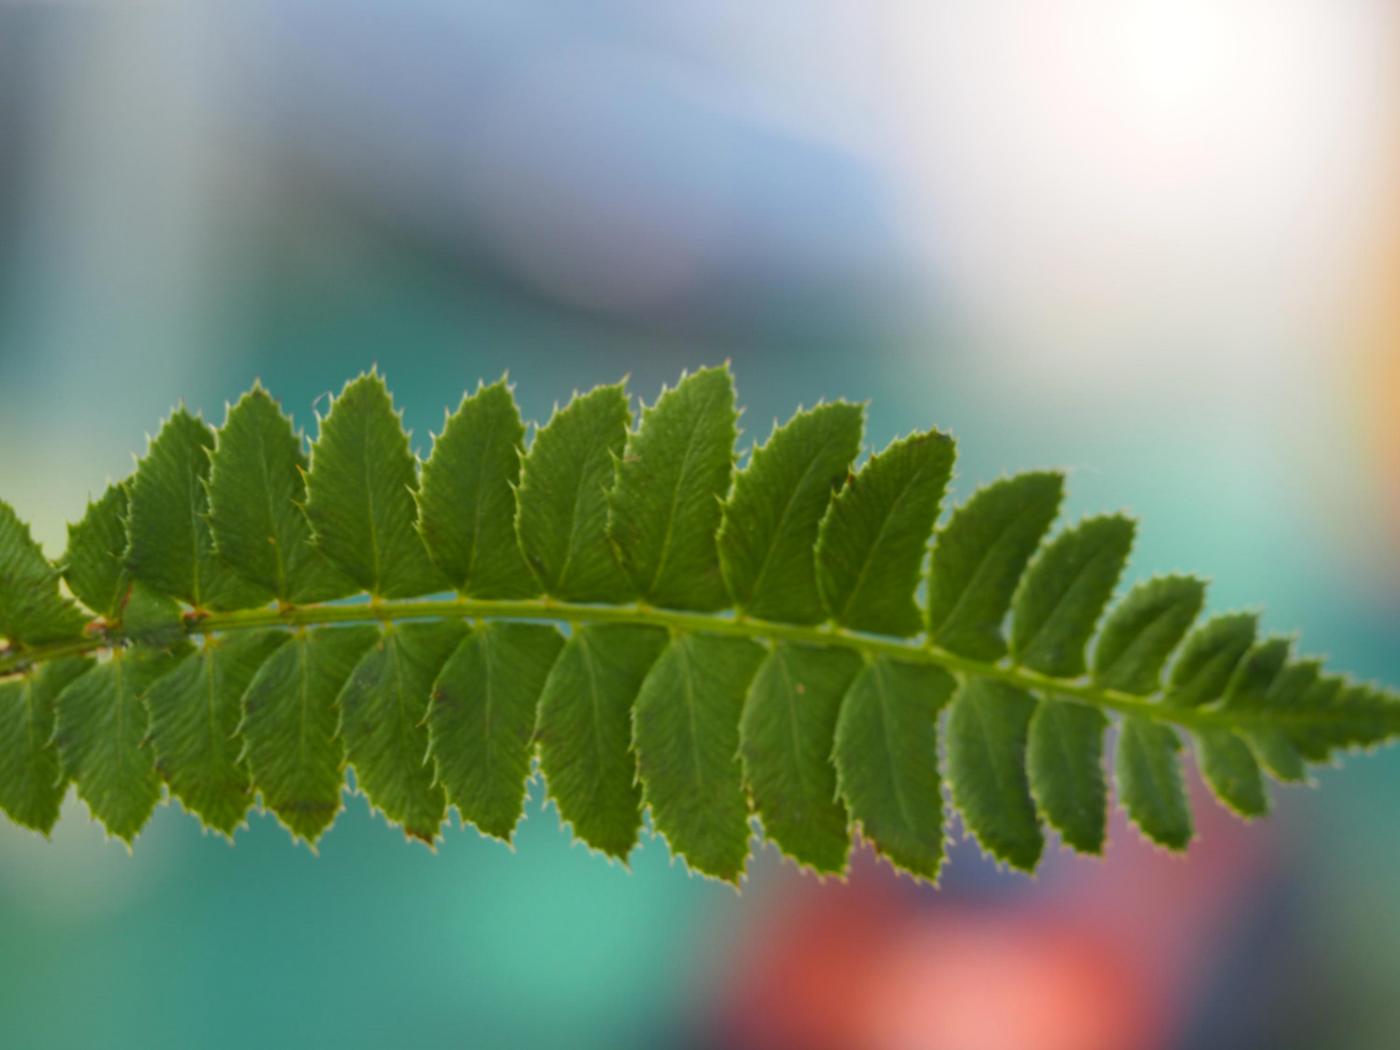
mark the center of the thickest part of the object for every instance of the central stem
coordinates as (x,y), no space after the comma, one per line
(824,635)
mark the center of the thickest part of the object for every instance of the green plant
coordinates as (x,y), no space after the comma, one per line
(763,642)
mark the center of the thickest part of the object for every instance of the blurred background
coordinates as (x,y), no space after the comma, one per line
(1154,241)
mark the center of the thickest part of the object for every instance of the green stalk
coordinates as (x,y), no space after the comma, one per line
(869,646)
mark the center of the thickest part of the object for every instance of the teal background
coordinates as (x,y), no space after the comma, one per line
(190,201)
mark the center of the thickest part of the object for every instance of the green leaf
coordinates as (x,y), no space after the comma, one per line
(32,612)
(686,734)
(100,730)
(290,726)
(585,732)
(257,490)
(467,503)
(1265,680)
(1254,676)
(1326,701)
(32,780)
(771,519)
(1064,759)
(1230,770)
(171,549)
(194,711)
(785,738)
(664,508)
(740,649)
(1333,714)
(1149,782)
(383,718)
(1211,654)
(94,564)
(872,540)
(482,721)
(1142,632)
(1299,715)
(1276,753)
(988,726)
(1064,593)
(1290,686)
(1361,716)
(979,557)
(886,756)
(360,495)
(562,504)
(151,619)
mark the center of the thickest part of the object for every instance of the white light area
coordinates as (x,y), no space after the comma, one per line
(1142,191)
(1154,229)
(1177,56)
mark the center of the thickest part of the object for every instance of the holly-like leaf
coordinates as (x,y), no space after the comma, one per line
(467,503)
(1149,781)
(383,716)
(585,732)
(257,490)
(32,612)
(171,549)
(770,522)
(886,756)
(686,734)
(291,724)
(664,508)
(32,780)
(360,495)
(1064,594)
(562,504)
(194,711)
(873,537)
(979,557)
(482,721)
(786,736)
(988,726)
(94,564)
(1064,760)
(100,730)
(738,649)
(1142,632)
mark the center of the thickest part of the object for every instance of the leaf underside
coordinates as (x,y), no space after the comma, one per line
(668,639)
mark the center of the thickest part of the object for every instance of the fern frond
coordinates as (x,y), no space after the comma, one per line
(246,618)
